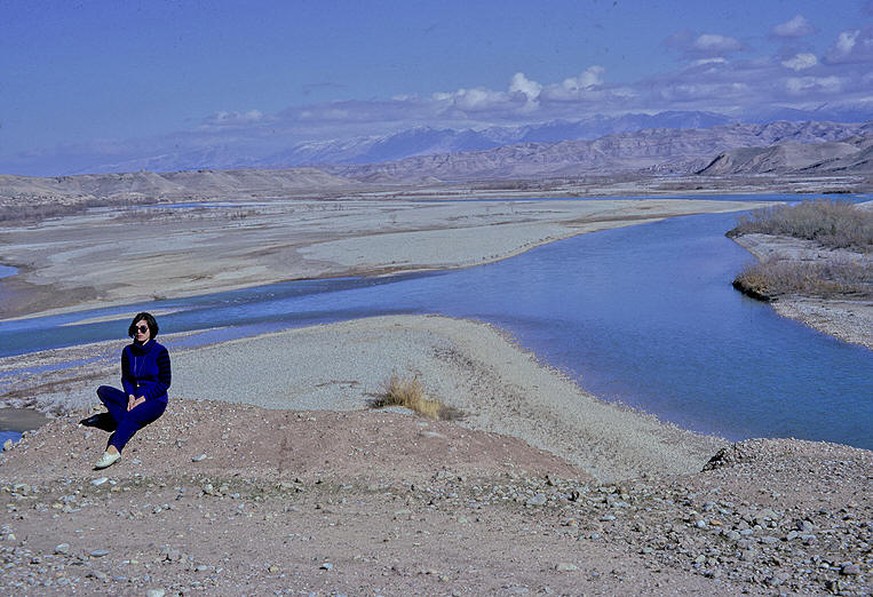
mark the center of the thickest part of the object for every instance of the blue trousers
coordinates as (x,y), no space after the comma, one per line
(128,422)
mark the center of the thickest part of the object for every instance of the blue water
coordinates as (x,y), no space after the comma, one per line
(643,315)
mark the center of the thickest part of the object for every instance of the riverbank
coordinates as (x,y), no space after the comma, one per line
(848,320)
(270,474)
(845,317)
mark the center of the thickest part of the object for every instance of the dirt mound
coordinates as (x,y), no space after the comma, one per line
(233,499)
(227,440)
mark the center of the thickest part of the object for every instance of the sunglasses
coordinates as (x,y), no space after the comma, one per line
(142,329)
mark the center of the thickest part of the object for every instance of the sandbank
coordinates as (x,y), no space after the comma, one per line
(126,255)
(471,366)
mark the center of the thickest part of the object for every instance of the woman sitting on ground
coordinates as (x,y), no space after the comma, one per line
(145,378)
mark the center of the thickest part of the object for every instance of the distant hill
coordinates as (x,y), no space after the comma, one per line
(652,151)
(421,141)
(193,154)
(800,149)
(45,195)
(850,156)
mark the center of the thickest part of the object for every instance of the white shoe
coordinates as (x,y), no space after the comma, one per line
(107,459)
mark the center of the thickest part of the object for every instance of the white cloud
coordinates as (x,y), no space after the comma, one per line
(806,85)
(592,77)
(587,85)
(713,43)
(704,90)
(521,84)
(846,42)
(801,61)
(475,100)
(231,118)
(855,46)
(796,27)
(719,61)
(323,113)
(710,80)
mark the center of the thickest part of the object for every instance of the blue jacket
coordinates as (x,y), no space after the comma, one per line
(145,370)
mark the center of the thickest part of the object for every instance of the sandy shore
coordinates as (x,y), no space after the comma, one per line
(498,386)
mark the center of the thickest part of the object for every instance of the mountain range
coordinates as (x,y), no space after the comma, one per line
(420,141)
(662,151)
(783,148)
(194,153)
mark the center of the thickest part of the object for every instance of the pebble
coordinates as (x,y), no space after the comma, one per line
(804,526)
(539,499)
(155,593)
(99,481)
(63,548)
(21,488)
(850,569)
(199,458)
(99,553)
(566,567)
(327,566)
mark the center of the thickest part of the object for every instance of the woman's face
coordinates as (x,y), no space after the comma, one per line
(143,333)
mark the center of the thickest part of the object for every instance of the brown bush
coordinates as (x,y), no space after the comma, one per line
(770,279)
(833,224)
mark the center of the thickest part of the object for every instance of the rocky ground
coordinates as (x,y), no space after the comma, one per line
(237,500)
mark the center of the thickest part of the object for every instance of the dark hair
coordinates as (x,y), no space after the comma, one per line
(150,321)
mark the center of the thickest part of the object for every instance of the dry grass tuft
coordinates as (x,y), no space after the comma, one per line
(409,393)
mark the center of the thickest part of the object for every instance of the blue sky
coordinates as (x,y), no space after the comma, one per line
(109,78)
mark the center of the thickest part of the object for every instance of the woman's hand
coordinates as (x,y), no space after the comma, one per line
(133,402)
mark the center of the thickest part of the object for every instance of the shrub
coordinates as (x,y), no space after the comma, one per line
(833,224)
(770,279)
(410,393)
